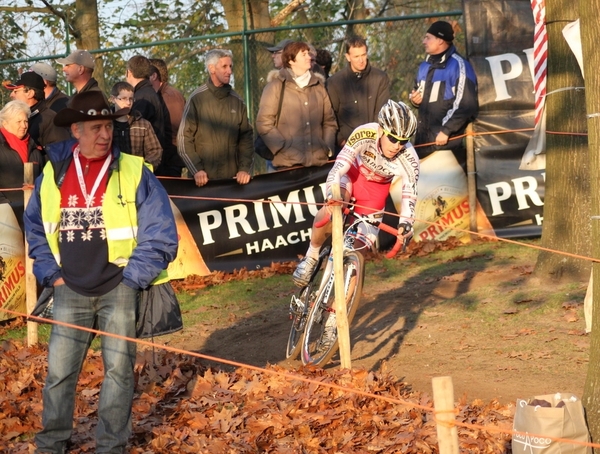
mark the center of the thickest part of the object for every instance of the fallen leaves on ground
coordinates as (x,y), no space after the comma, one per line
(181,406)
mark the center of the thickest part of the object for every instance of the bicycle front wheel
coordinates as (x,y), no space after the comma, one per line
(299,307)
(320,341)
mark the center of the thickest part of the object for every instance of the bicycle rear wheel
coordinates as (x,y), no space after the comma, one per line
(319,343)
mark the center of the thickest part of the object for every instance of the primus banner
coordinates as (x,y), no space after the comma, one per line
(224,226)
(12,263)
(499,39)
(249,226)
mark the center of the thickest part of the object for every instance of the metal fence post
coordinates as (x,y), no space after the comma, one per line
(30,284)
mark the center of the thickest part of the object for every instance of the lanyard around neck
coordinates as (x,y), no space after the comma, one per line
(89,197)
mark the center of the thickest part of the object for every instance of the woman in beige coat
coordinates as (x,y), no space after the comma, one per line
(304,133)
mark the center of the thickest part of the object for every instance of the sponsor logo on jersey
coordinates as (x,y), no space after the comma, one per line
(361,134)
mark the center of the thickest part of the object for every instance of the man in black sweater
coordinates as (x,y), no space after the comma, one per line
(358,91)
(146,101)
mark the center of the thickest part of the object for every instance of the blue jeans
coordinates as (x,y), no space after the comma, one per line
(113,312)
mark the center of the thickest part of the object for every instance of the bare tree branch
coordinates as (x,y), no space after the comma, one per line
(23,9)
(384,7)
(173,62)
(63,16)
(285,12)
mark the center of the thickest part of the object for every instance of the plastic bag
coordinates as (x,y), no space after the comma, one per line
(158,312)
(557,415)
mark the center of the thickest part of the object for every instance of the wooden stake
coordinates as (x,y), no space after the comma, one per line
(471,180)
(443,402)
(338,270)
(30,284)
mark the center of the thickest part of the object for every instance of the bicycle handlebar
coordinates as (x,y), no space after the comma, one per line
(400,245)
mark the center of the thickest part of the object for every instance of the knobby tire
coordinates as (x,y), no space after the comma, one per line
(306,294)
(312,350)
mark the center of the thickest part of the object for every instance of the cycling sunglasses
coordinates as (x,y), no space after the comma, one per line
(395,139)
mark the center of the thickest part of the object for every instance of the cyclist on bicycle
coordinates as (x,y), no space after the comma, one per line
(374,154)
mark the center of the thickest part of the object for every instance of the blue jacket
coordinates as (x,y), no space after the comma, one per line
(449,101)
(156,236)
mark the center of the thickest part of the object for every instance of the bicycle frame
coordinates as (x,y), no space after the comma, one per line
(349,210)
(349,238)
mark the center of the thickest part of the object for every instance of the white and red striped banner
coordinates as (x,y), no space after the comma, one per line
(534,157)
(540,56)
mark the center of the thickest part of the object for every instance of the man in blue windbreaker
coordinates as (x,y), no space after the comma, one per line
(445,93)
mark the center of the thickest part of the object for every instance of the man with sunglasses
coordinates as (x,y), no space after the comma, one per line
(277,52)
(373,156)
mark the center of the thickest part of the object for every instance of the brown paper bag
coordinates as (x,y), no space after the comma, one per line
(564,418)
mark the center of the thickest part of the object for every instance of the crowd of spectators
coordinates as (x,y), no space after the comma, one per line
(304,118)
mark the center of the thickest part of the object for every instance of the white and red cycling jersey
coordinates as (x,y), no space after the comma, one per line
(363,170)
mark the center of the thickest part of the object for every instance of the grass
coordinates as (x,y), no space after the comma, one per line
(223,304)
(19,332)
(218,304)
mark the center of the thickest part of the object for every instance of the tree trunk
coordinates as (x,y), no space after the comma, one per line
(86,23)
(566,224)
(356,11)
(590,34)
(257,16)
(259,59)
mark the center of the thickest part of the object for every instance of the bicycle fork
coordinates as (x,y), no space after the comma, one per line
(349,273)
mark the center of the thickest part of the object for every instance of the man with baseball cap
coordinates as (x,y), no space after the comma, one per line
(445,93)
(276,52)
(99,228)
(55,99)
(30,89)
(78,68)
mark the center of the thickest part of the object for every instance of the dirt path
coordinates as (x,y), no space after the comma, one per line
(491,350)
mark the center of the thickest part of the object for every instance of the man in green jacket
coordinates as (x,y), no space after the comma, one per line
(215,138)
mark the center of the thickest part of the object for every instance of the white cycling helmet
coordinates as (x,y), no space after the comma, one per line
(397,118)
